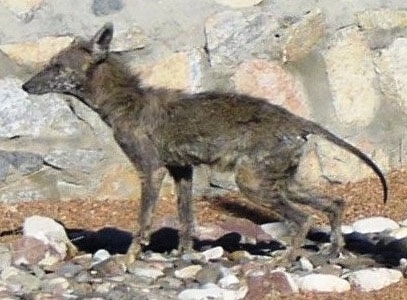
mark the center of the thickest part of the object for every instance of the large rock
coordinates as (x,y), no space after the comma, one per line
(303,36)
(393,66)
(352,78)
(24,115)
(21,162)
(269,80)
(182,71)
(38,52)
(23,9)
(329,162)
(232,36)
(382,19)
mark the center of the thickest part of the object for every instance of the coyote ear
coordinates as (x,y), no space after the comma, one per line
(101,41)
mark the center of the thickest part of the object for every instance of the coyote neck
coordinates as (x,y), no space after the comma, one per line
(112,92)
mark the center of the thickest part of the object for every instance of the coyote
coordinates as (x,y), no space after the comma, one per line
(164,130)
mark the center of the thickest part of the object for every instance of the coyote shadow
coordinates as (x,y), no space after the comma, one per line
(165,239)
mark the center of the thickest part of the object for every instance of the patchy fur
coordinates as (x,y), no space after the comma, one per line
(166,130)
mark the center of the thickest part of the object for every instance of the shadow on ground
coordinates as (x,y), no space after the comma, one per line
(163,240)
(166,239)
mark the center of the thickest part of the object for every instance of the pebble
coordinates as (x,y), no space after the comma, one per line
(100,256)
(151,273)
(229,282)
(188,272)
(213,253)
(305,264)
(210,274)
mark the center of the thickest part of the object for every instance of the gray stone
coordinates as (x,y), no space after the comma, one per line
(234,35)
(130,39)
(210,273)
(23,115)
(69,270)
(80,159)
(56,285)
(24,162)
(18,278)
(147,272)
(28,251)
(374,279)
(106,7)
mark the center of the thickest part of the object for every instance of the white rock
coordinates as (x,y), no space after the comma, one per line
(374,279)
(306,265)
(212,291)
(374,224)
(323,283)
(48,231)
(213,253)
(229,281)
(347,229)
(101,255)
(403,223)
(399,233)
(188,272)
(276,229)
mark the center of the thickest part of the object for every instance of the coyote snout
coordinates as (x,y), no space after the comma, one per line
(170,131)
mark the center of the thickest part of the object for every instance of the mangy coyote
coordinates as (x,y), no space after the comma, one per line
(164,130)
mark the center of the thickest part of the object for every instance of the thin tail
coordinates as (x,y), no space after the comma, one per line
(318,130)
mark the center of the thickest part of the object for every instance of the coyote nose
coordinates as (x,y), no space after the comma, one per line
(26,86)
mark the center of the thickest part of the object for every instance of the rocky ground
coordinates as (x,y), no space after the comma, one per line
(226,266)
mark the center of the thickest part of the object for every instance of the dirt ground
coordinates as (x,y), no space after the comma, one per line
(363,199)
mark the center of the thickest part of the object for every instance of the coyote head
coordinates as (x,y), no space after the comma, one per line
(67,72)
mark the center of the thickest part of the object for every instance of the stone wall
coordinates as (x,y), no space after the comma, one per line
(340,63)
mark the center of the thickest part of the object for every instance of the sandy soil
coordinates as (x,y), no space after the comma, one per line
(363,199)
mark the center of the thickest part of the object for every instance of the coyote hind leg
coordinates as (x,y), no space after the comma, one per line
(263,187)
(332,207)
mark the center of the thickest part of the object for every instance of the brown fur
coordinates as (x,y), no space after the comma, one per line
(165,130)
